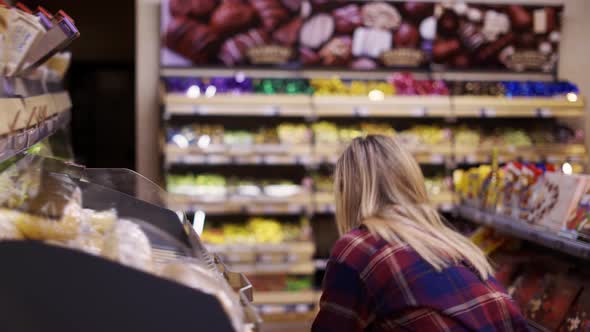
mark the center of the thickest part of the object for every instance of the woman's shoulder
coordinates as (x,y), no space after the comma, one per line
(356,248)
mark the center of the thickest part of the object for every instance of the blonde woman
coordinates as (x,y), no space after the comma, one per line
(397,267)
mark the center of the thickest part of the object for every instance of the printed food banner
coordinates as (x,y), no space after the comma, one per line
(359,35)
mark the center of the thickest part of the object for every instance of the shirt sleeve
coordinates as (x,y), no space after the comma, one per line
(344,305)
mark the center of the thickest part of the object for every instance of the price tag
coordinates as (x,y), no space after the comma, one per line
(420,112)
(192,159)
(487,112)
(544,112)
(437,159)
(12,115)
(197,109)
(20,141)
(265,258)
(360,111)
(301,308)
(272,111)
(471,159)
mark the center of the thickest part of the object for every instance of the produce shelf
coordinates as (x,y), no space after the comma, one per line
(265,154)
(534,107)
(307,155)
(396,106)
(262,205)
(297,268)
(239,105)
(522,230)
(535,153)
(309,296)
(361,106)
(264,252)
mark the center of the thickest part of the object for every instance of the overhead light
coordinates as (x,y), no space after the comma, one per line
(193,91)
(376,95)
(199,221)
(571,97)
(567,168)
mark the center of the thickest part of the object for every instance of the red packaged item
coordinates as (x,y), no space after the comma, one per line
(526,286)
(550,306)
(577,318)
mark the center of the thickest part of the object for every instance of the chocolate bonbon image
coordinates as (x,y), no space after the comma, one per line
(337,52)
(271,12)
(195,8)
(406,36)
(232,17)
(347,18)
(289,33)
(234,50)
(502,36)
(370,42)
(388,34)
(190,39)
(380,15)
(316,30)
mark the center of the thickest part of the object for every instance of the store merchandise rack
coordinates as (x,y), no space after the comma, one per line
(352,106)
(31,111)
(522,230)
(281,308)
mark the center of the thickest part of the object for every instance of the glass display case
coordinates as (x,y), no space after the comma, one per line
(95,250)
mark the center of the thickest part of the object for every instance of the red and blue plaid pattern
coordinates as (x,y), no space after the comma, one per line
(372,285)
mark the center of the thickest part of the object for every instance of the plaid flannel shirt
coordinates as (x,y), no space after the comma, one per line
(372,285)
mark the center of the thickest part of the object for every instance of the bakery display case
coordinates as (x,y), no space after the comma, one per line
(98,234)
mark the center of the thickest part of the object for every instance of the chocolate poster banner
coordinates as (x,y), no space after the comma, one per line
(497,37)
(359,35)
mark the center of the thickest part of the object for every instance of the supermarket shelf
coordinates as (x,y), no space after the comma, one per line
(264,205)
(363,75)
(265,253)
(521,229)
(256,154)
(397,106)
(361,106)
(324,202)
(239,105)
(490,107)
(546,152)
(306,155)
(298,268)
(21,140)
(298,297)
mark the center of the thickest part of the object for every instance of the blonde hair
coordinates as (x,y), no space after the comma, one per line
(379,184)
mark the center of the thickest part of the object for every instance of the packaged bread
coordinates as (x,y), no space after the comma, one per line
(127,244)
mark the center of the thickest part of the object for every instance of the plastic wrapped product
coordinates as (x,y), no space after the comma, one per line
(42,228)
(202,279)
(127,244)
(8,230)
(94,226)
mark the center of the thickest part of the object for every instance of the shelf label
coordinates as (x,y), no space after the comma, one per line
(420,112)
(197,109)
(487,112)
(360,111)
(272,111)
(192,159)
(437,159)
(544,112)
